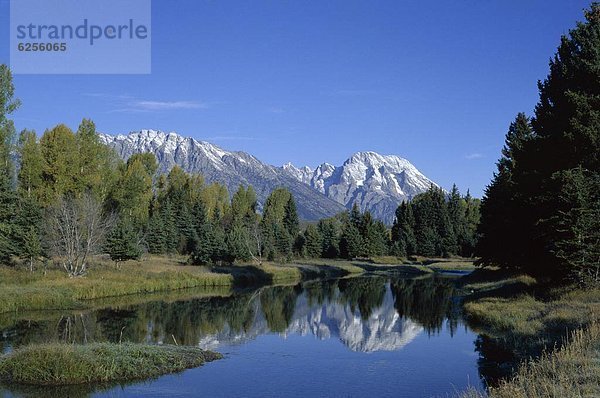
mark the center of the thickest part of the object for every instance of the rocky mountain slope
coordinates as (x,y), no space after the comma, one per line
(217,165)
(378,183)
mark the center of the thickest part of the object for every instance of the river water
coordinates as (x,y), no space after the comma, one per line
(356,337)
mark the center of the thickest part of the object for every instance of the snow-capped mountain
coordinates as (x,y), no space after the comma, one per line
(217,165)
(375,182)
(382,330)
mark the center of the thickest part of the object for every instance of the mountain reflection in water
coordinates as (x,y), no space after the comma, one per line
(350,337)
(366,314)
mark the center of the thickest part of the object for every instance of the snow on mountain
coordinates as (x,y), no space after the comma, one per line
(375,182)
(217,165)
(382,330)
(303,175)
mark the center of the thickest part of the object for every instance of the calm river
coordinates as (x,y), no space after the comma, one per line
(358,337)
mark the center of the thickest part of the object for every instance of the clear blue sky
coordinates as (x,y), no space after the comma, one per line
(436,82)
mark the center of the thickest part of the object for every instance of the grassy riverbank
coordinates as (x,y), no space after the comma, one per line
(571,371)
(65,364)
(21,290)
(533,322)
(524,316)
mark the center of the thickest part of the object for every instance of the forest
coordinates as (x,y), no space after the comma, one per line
(69,196)
(66,195)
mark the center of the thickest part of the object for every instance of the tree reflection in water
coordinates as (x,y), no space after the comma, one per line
(364,313)
(427,302)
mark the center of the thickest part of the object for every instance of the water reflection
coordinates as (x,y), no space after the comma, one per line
(375,315)
(366,314)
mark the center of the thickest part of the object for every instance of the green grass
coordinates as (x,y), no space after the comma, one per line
(282,273)
(523,316)
(64,364)
(452,265)
(533,320)
(322,267)
(498,282)
(21,290)
(387,260)
(571,371)
(425,263)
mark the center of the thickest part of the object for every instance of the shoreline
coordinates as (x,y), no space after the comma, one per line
(23,291)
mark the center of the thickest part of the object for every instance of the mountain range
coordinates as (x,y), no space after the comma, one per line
(375,182)
(382,330)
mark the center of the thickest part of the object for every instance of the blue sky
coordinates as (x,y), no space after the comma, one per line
(435,82)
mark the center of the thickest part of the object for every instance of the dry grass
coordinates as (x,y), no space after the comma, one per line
(571,371)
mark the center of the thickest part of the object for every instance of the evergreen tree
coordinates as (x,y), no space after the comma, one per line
(368,235)
(290,217)
(472,220)
(351,242)
(156,237)
(211,248)
(27,227)
(187,234)
(206,247)
(283,241)
(501,240)
(534,213)
(313,241)
(567,131)
(31,247)
(8,197)
(279,218)
(403,235)
(237,244)
(122,243)
(330,238)
(355,217)
(458,223)
(575,227)
(170,229)
(8,226)
(30,172)
(427,223)
(379,238)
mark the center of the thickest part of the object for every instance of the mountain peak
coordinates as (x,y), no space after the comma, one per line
(231,169)
(374,181)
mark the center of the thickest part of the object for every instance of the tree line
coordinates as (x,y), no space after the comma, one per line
(433,224)
(68,196)
(541,212)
